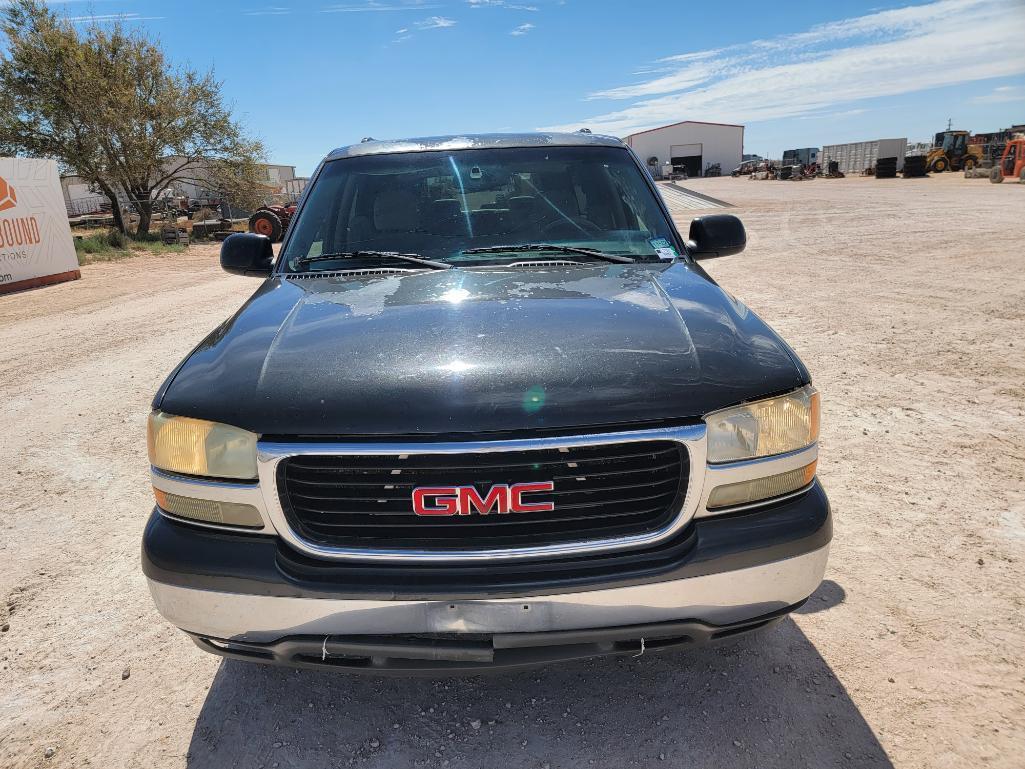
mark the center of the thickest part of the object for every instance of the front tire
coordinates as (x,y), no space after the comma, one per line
(995,176)
(940,165)
(266,223)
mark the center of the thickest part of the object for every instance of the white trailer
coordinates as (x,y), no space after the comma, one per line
(855,157)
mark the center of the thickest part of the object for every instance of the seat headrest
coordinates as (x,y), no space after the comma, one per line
(446,208)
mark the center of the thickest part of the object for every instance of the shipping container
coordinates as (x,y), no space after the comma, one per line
(855,157)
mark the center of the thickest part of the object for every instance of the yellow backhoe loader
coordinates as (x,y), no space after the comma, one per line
(952,152)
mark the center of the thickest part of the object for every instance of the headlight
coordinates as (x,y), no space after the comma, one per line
(197,447)
(764,428)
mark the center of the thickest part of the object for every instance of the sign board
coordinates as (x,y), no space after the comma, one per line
(36,248)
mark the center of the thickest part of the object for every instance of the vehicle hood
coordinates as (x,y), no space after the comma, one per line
(475,351)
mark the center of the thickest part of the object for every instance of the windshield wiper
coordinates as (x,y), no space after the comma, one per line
(527,247)
(412,258)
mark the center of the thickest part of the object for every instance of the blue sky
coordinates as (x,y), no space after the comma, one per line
(308,76)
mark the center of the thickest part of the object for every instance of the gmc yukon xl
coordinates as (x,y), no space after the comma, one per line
(485,410)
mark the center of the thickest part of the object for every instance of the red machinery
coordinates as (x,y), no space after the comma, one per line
(272,221)
(1012,163)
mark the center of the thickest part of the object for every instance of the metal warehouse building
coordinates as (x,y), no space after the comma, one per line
(857,156)
(691,146)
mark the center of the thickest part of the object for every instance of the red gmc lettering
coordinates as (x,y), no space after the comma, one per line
(498,496)
(517,505)
(445,504)
(465,500)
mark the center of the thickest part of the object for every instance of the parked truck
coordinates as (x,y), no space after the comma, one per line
(484,410)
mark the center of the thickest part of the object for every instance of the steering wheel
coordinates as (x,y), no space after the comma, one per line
(569,227)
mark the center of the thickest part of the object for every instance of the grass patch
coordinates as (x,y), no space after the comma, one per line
(112,246)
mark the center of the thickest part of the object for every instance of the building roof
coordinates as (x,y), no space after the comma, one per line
(683,122)
(473,141)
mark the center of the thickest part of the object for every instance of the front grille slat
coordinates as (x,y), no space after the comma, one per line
(373,508)
(600,491)
(479,459)
(464,525)
(360,516)
(443,478)
(396,494)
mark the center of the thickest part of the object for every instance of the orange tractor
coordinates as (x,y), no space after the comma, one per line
(1012,163)
(272,221)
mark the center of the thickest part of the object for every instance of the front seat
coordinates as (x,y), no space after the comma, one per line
(396,219)
(445,217)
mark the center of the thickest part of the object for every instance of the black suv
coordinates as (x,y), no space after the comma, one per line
(484,410)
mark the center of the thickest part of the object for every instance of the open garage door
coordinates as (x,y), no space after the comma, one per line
(686,157)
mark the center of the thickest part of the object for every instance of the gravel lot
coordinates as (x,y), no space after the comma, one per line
(906,298)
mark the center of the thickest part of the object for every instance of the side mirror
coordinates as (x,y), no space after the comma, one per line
(716,235)
(246,253)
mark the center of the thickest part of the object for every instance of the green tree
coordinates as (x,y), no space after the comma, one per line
(107,104)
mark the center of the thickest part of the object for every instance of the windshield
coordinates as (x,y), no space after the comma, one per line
(438,205)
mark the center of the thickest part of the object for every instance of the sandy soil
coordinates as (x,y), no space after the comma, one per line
(906,298)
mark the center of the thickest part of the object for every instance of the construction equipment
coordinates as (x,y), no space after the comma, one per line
(952,152)
(272,221)
(832,170)
(746,168)
(1012,163)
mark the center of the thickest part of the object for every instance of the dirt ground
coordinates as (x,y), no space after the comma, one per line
(906,298)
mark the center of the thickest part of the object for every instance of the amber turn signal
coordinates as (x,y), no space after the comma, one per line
(209,511)
(759,489)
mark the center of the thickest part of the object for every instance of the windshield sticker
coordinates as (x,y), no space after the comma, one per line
(663,248)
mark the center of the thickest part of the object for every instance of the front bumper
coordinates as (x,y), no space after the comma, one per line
(469,653)
(251,596)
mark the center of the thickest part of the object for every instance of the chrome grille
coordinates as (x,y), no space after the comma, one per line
(601,492)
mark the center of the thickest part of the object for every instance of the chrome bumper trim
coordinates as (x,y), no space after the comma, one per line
(269,455)
(723,598)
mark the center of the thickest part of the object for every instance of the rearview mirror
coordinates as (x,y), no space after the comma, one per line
(716,235)
(246,253)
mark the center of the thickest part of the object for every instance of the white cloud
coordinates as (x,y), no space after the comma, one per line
(431,22)
(271,11)
(1003,93)
(842,113)
(435,22)
(693,56)
(377,6)
(500,4)
(109,18)
(522,30)
(681,79)
(880,54)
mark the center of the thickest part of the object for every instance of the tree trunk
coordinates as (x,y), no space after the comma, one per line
(144,205)
(115,207)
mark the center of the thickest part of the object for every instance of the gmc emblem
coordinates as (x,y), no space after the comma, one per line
(463,500)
